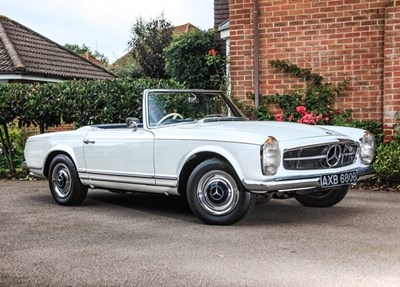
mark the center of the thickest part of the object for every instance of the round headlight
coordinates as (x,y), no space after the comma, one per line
(367,153)
(270,156)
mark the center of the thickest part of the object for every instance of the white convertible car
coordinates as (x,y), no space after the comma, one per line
(197,144)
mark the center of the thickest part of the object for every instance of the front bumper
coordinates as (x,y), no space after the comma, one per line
(298,183)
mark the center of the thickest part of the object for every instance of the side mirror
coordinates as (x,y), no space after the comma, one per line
(132,123)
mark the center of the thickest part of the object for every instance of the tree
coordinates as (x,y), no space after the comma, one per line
(7,115)
(79,50)
(148,40)
(192,59)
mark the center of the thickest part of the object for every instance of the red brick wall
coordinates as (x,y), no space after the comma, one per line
(353,40)
(391,99)
(64,127)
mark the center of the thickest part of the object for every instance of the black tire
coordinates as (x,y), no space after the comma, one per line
(228,204)
(324,198)
(64,183)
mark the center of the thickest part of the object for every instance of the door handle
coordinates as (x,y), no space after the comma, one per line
(86,141)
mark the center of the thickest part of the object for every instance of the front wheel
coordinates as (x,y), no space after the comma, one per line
(64,184)
(325,198)
(215,195)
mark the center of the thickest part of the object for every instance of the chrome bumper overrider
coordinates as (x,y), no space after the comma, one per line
(33,171)
(24,165)
(298,183)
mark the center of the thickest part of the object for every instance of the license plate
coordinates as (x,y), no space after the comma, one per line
(345,178)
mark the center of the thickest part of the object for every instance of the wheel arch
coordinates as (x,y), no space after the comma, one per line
(195,159)
(51,156)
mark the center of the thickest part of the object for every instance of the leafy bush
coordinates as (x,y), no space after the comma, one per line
(387,161)
(372,126)
(39,104)
(110,101)
(186,60)
(17,139)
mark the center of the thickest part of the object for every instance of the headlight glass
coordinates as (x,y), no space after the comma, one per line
(270,156)
(367,148)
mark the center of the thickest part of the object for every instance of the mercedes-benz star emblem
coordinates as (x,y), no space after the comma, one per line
(216,192)
(334,155)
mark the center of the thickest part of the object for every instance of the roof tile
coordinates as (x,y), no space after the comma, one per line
(41,56)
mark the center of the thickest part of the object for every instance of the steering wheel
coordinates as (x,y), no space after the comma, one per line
(173,116)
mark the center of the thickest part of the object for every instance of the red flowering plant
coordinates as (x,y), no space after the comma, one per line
(304,117)
(312,105)
(218,66)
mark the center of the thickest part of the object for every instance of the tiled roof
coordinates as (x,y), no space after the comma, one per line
(221,12)
(6,64)
(23,51)
(185,28)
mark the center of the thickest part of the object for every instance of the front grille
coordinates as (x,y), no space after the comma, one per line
(325,156)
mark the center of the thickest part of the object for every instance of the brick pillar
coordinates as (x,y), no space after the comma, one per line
(391,97)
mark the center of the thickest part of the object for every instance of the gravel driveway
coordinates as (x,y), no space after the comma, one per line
(154,240)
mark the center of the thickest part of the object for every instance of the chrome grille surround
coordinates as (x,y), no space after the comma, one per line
(323,156)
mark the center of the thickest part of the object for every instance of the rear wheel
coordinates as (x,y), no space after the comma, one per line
(64,184)
(215,195)
(324,198)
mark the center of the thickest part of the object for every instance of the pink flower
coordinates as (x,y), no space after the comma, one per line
(327,119)
(337,111)
(279,117)
(308,119)
(212,52)
(319,117)
(301,110)
(290,118)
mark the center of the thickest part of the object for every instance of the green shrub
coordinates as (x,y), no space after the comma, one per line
(387,161)
(17,138)
(372,126)
(190,61)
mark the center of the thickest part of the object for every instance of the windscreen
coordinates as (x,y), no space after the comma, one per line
(173,108)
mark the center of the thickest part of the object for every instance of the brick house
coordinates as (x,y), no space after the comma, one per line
(353,40)
(27,56)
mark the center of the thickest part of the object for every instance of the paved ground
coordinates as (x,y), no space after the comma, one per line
(153,240)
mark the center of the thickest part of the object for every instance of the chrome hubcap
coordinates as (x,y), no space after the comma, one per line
(61,179)
(217,193)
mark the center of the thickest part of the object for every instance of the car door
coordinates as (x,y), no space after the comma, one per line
(120,156)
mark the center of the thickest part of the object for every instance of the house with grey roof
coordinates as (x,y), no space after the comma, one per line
(27,56)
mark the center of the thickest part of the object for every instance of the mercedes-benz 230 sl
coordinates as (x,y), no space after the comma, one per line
(197,144)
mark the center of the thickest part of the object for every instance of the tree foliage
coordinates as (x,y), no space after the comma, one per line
(148,40)
(186,60)
(79,50)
